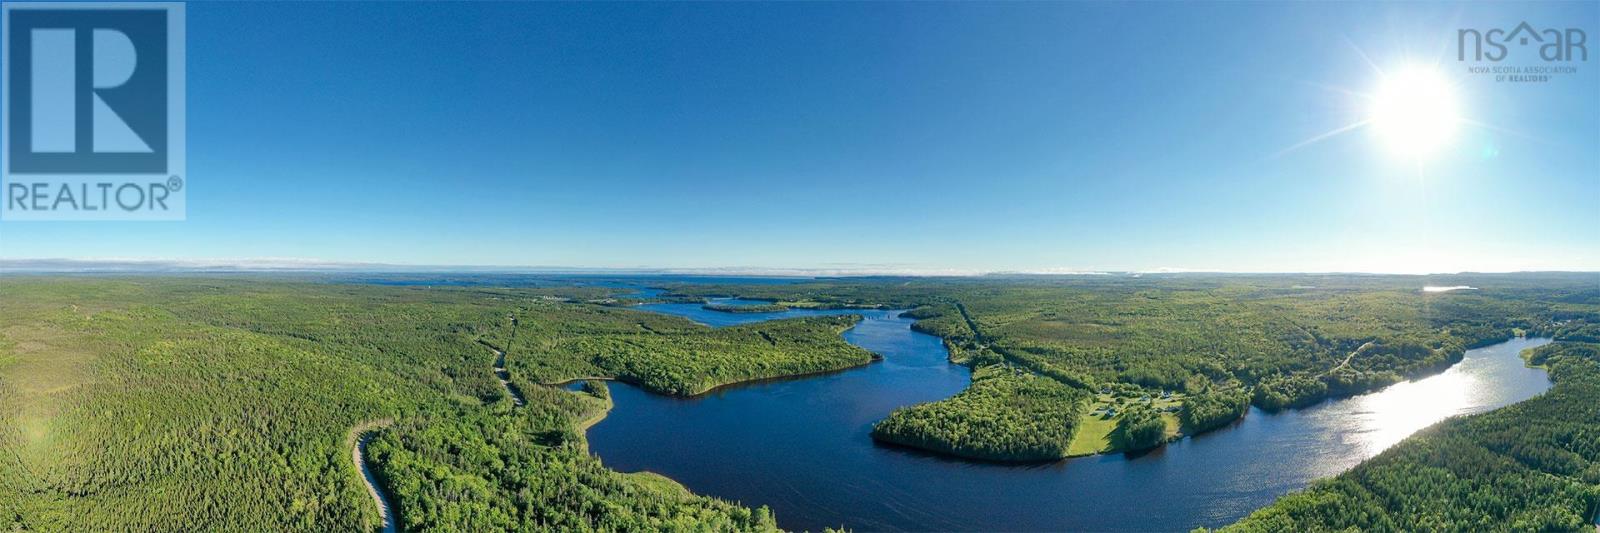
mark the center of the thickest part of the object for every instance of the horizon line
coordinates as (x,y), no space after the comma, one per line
(301,265)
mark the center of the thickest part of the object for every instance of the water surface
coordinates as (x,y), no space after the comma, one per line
(803,447)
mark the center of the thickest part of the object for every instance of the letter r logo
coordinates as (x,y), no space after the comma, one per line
(87,90)
(55,89)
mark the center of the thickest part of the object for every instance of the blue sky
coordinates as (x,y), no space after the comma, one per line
(891,136)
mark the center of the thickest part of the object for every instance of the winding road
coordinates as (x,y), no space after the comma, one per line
(504,375)
(362,434)
(500,371)
(1346,361)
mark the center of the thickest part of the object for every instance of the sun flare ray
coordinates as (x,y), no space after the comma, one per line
(1323,137)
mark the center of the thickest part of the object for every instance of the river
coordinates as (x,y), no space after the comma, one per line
(803,448)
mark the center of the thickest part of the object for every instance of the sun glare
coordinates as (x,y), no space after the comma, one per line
(1395,413)
(1414,112)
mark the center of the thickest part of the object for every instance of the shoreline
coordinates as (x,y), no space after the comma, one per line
(951,357)
(872,358)
(1328,399)
(1450,361)
(1419,374)
(583,425)
(895,444)
(717,388)
(893,447)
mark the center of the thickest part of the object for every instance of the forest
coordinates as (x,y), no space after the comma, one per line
(1139,427)
(1532,466)
(1279,341)
(203,404)
(477,468)
(1210,410)
(1006,415)
(755,308)
(184,405)
(226,402)
(557,342)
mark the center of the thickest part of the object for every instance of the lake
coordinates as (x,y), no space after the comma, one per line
(802,446)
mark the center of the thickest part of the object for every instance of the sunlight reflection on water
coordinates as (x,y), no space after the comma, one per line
(1400,410)
(803,448)
(1487,379)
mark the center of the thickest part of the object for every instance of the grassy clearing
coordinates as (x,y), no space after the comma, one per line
(1274,341)
(1095,428)
(140,403)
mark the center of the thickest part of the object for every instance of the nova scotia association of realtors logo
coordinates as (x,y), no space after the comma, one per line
(1557,49)
(93,98)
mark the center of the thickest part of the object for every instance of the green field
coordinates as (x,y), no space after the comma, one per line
(1095,426)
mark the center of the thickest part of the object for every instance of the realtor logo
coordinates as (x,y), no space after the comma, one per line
(94,111)
(1554,44)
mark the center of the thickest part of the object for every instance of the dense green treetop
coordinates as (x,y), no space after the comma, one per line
(1531,466)
(228,402)
(1008,414)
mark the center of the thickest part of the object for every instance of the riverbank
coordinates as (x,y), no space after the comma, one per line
(720,387)
(687,361)
(1539,453)
(1096,425)
(1005,415)
(651,432)
(753,308)
(1092,429)
(583,424)
(811,439)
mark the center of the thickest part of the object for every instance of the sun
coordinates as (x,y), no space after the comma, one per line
(1414,112)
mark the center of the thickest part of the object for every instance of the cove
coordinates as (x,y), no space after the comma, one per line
(802,446)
